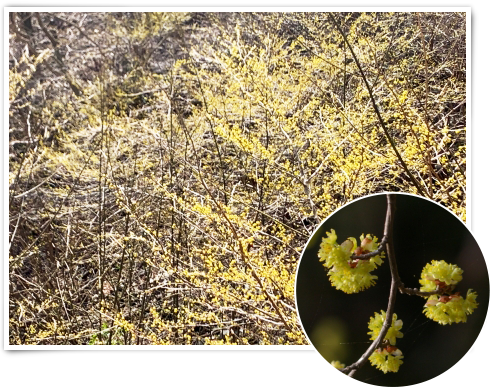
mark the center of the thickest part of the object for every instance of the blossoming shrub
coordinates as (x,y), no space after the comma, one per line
(188,127)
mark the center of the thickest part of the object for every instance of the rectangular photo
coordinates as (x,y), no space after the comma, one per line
(167,169)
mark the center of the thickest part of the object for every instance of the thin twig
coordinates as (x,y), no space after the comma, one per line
(40,184)
(416,291)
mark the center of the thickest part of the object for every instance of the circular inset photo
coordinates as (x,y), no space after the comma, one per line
(392,289)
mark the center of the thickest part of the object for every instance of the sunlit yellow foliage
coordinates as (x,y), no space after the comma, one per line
(170,202)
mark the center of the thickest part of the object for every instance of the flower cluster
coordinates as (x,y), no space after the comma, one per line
(388,358)
(348,274)
(439,274)
(447,307)
(376,323)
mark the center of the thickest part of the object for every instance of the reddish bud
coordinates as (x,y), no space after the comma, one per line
(391,348)
(454,296)
(353,263)
(444,298)
(360,251)
(439,284)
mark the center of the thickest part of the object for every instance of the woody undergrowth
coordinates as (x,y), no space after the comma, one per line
(169,201)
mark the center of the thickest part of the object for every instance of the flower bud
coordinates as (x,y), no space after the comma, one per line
(347,246)
(366,242)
